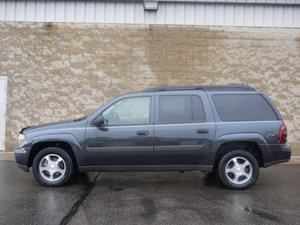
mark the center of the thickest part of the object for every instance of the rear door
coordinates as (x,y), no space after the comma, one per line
(184,128)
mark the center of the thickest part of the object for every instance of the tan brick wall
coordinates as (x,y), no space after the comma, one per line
(62,71)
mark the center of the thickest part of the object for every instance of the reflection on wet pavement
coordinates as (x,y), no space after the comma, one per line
(24,201)
(192,198)
(150,198)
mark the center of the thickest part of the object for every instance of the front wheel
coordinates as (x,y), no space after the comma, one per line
(238,170)
(52,167)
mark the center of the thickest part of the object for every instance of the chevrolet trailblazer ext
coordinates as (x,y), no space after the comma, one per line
(233,130)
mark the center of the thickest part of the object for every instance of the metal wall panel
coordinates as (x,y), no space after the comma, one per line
(169,12)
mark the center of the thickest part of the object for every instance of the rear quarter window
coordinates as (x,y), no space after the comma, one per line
(243,107)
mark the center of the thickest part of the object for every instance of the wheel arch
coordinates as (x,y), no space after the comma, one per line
(65,142)
(249,146)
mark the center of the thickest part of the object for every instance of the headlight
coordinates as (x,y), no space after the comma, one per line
(21,139)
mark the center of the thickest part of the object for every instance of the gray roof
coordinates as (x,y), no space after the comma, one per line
(231,87)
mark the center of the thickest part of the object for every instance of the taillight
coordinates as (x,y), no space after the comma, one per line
(283,134)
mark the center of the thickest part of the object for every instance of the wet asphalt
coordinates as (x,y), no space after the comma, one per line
(150,198)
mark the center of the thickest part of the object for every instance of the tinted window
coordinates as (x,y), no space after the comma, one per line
(180,109)
(128,111)
(251,107)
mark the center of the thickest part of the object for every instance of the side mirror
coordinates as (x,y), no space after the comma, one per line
(99,121)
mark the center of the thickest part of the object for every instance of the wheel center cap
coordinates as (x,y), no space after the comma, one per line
(238,169)
(52,166)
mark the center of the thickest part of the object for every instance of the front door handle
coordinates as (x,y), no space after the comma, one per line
(202,131)
(142,132)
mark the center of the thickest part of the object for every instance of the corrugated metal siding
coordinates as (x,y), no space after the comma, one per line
(264,2)
(183,13)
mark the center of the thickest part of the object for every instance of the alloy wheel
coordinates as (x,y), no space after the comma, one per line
(238,170)
(52,167)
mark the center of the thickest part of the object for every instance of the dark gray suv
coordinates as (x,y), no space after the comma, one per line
(233,130)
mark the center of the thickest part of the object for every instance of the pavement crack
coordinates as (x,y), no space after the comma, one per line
(77,204)
(263,214)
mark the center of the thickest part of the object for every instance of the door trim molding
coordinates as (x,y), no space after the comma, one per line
(178,148)
(119,149)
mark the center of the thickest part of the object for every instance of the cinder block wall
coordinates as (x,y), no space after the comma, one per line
(63,71)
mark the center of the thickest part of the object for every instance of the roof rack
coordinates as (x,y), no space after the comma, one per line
(231,87)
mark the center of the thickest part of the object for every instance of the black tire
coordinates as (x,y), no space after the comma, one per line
(227,181)
(67,166)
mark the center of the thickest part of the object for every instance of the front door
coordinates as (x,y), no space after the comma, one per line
(184,129)
(3,84)
(126,138)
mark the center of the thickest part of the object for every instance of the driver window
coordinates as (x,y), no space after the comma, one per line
(129,111)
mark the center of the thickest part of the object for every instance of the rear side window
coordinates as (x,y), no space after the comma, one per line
(250,107)
(180,109)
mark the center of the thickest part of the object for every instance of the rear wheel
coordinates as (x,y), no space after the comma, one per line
(52,167)
(238,169)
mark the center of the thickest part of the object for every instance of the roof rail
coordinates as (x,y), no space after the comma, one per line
(230,87)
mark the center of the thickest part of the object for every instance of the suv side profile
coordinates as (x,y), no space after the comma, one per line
(233,130)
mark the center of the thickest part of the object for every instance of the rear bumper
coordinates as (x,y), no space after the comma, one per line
(278,154)
(22,158)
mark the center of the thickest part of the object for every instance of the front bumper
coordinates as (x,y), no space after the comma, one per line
(278,154)
(22,158)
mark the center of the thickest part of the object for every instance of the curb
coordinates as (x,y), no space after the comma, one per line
(294,160)
(7,156)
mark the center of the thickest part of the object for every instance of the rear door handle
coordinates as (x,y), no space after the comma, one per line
(202,131)
(142,132)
